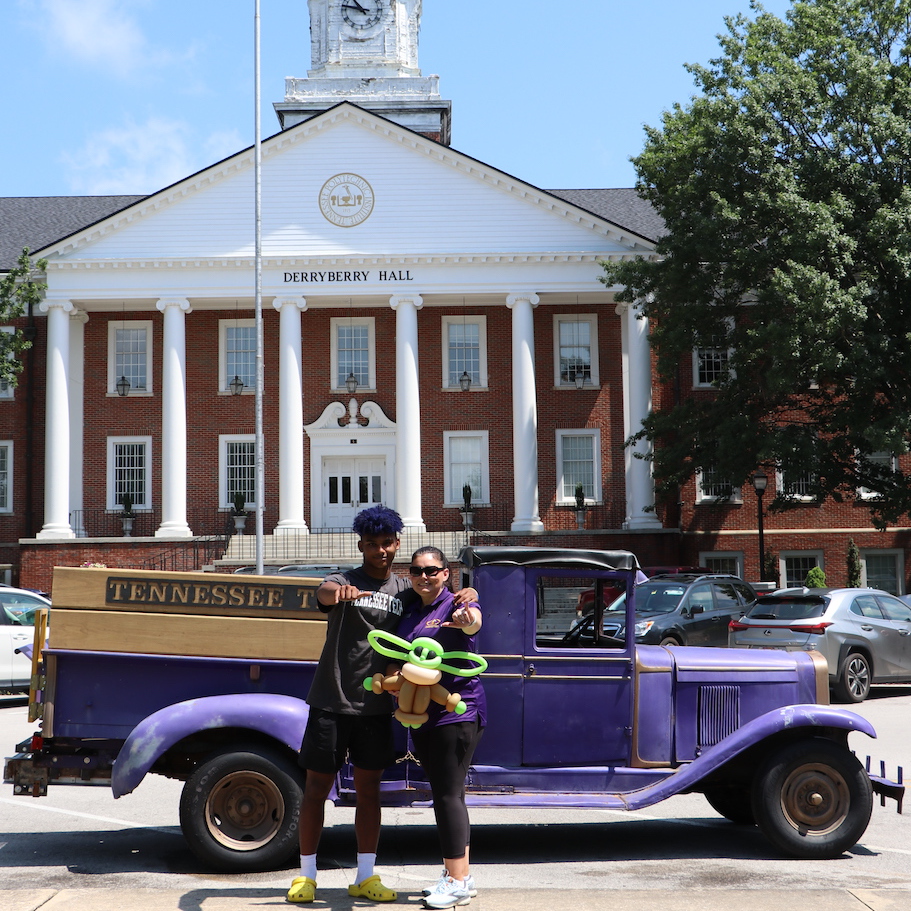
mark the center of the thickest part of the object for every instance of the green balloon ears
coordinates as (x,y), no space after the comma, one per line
(425,652)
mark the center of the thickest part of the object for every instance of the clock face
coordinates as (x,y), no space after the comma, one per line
(361,14)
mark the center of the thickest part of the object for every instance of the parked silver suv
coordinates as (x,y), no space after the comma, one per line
(864,633)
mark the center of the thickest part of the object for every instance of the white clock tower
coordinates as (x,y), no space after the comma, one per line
(366,52)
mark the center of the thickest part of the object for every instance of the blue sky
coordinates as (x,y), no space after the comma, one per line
(127,96)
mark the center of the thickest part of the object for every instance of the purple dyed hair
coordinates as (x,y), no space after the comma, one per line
(377,520)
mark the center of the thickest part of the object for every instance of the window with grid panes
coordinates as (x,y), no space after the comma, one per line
(714,486)
(353,346)
(575,350)
(6,388)
(130,473)
(130,355)
(711,365)
(722,563)
(6,472)
(465,467)
(240,470)
(240,355)
(578,461)
(464,352)
(881,571)
(796,568)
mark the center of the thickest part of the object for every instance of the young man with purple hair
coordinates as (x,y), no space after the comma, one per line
(345,719)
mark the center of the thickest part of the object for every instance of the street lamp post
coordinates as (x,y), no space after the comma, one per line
(760,480)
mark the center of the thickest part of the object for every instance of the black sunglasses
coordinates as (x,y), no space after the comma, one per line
(430,571)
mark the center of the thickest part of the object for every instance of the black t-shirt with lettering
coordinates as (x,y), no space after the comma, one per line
(347,657)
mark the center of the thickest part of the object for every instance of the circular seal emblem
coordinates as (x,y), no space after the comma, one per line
(346,200)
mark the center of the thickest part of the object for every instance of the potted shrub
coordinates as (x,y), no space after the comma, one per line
(239,511)
(467,513)
(580,506)
(127,515)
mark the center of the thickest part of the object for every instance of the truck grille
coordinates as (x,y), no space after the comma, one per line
(719,713)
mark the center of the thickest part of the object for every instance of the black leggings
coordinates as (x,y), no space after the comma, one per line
(445,752)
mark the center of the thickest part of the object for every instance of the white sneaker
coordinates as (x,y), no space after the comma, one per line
(444,875)
(448,893)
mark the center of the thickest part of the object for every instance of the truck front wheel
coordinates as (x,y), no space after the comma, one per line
(812,799)
(239,810)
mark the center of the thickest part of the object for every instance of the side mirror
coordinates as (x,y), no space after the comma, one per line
(696,609)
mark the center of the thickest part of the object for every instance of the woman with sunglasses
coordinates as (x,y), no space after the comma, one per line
(446,742)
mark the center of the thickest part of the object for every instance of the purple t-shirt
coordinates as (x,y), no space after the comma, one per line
(426,621)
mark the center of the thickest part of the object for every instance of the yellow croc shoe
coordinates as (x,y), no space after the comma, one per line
(303,890)
(373,889)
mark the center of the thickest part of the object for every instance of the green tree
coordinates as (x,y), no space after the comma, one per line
(785,188)
(19,293)
(816,578)
(854,575)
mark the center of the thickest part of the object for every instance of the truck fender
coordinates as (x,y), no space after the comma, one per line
(280,717)
(787,718)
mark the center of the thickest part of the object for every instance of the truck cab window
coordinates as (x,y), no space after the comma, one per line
(572,612)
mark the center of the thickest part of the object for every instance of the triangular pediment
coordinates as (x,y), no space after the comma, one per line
(429,201)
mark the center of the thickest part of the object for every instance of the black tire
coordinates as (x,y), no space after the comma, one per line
(732,803)
(812,799)
(668,641)
(854,678)
(239,810)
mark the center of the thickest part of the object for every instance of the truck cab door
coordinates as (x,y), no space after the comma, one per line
(577,692)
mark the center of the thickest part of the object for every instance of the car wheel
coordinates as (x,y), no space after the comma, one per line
(812,799)
(854,680)
(668,641)
(239,810)
(732,803)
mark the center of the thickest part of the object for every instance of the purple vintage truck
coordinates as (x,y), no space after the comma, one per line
(615,725)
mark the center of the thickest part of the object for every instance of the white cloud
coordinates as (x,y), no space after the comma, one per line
(143,157)
(97,32)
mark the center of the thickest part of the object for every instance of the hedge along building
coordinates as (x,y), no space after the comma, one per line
(395,268)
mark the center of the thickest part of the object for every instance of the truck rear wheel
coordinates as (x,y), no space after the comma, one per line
(812,799)
(239,810)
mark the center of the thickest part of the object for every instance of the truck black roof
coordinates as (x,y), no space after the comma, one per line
(548,556)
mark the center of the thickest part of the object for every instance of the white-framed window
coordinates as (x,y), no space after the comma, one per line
(794,565)
(711,365)
(466,461)
(6,388)
(464,350)
(713,487)
(237,469)
(884,460)
(130,355)
(578,462)
(237,353)
(353,351)
(729,562)
(883,569)
(576,349)
(796,485)
(129,472)
(6,476)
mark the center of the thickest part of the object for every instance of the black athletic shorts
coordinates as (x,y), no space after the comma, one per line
(365,739)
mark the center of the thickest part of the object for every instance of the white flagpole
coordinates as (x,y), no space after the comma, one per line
(258,269)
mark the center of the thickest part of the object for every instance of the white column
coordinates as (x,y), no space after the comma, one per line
(76,385)
(57,422)
(636,365)
(174,420)
(290,417)
(408,410)
(524,414)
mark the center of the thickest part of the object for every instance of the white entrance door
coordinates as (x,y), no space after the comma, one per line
(350,485)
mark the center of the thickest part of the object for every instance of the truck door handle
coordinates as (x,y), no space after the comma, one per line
(530,671)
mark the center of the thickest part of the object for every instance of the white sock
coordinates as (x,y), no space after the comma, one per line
(308,866)
(365,863)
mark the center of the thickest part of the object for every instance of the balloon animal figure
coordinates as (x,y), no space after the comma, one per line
(418,680)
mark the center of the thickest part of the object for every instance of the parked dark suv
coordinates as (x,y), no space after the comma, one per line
(674,609)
